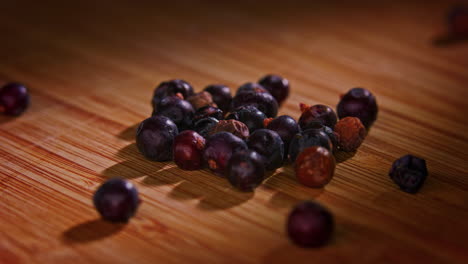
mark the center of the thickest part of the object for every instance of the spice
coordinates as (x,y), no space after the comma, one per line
(351,133)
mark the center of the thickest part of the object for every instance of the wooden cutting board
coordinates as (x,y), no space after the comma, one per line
(91,68)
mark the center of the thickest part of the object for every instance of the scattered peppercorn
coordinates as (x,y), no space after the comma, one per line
(315,166)
(317,113)
(249,115)
(308,138)
(188,150)
(285,126)
(310,224)
(116,200)
(360,103)
(277,86)
(251,87)
(409,173)
(221,96)
(14,99)
(263,101)
(245,170)
(155,136)
(171,88)
(204,126)
(268,144)
(351,133)
(219,149)
(178,110)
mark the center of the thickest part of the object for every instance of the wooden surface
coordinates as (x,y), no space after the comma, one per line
(91,68)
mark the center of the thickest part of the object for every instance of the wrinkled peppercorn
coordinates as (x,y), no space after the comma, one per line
(233,126)
(351,133)
(315,166)
(201,99)
(409,173)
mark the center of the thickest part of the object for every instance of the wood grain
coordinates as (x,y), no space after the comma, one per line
(91,68)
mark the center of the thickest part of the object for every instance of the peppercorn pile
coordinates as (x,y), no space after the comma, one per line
(241,137)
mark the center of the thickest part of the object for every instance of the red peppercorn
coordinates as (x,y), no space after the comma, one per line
(351,133)
(315,166)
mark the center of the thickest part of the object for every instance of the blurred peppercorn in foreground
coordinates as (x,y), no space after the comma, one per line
(310,224)
(14,99)
(116,200)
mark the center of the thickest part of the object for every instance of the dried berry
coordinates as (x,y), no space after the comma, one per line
(235,127)
(188,150)
(332,135)
(310,224)
(221,96)
(208,111)
(277,86)
(285,126)
(308,138)
(351,133)
(249,115)
(409,172)
(14,99)
(200,100)
(264,102)
(315,166)
(155,136)
(116,200)
(219,149)
(251,87)
(204,126)
(171,88)
(269,144)
(246,170)
(317,113)
(178,110)
(360,103)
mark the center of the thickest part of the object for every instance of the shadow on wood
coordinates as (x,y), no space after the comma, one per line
(187,190)
(91,231)
(228,199)
(134,165)
(213,192)
(129,133)
(168,175)
(130,152)
(130,169)
(341,156)
(448,40)
(284,200)
(6,119)
(287,191)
